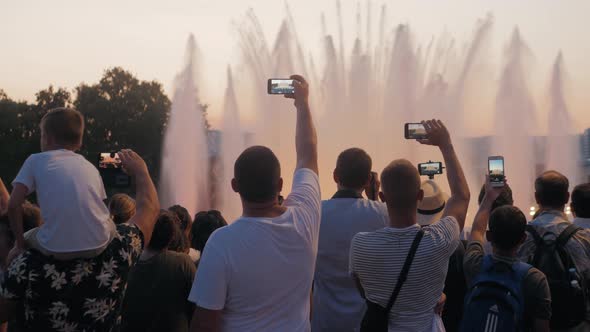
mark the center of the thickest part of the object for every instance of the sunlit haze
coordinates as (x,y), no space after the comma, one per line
(67,42)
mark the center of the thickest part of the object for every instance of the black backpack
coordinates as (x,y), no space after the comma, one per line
(568,288)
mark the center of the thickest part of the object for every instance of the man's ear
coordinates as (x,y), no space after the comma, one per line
(234,186)
(420,195)
(280,185)
(489,236)
(335,177)
(382,196)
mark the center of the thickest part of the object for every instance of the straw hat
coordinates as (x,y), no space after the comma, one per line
(430,209)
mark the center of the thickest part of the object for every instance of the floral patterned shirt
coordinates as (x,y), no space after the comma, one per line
(77,295)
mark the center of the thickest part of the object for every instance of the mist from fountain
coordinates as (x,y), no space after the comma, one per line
(184,176)
(515,122)
(363,98)
(562,145)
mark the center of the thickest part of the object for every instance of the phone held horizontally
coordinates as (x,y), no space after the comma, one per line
(430,168)
(109,167)
(280,86)
(414,131)
(496,171)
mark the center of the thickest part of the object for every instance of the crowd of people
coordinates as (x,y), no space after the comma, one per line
(385,253)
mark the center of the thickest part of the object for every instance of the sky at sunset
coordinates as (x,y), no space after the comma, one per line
(65,42)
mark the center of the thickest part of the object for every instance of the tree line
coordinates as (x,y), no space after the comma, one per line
(121,111)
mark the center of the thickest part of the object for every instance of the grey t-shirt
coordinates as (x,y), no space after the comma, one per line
(537,296)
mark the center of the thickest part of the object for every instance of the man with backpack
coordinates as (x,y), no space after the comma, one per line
(562,251)
(504,294)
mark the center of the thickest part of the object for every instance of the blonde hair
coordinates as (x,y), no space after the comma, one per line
(122,208)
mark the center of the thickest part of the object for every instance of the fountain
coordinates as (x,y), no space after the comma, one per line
(185,154)
(362,97)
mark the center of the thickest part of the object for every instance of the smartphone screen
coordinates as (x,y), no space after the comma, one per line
(109,160)
(415,131)
(430,168)
(280,86)
(496,170)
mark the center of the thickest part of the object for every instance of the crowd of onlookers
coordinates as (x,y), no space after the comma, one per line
(385,252)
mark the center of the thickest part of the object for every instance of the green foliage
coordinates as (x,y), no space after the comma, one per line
(121,111)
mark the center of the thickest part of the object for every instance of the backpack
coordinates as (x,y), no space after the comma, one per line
(495,300)
(568,298)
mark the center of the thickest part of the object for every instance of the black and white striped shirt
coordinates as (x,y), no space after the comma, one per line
(377,258)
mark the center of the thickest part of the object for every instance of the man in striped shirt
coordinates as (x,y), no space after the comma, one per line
(377,258)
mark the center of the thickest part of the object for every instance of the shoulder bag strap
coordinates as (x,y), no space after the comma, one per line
(566,234)
(404,274)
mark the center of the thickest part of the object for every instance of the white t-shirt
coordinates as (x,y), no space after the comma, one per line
(259,271)
(337,304)
(70,193)
(377,259)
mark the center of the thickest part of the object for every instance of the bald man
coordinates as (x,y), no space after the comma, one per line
(377,258)
(552,194)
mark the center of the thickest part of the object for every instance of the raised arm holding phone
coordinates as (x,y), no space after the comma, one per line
(232,285)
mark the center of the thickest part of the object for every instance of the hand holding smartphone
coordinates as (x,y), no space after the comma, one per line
(496,171)
(109,167)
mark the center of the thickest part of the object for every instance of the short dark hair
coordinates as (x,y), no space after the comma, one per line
(353,168)
(505,197)
(64,125)
(400,182)
(183,216)
(206,222)
(257,172)
(551,190)
(164,231)
(507,226)
(581,200)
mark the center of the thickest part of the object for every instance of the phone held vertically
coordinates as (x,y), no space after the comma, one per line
(280,86)
(414,131)
(430,169)
(496,171)
(109,167)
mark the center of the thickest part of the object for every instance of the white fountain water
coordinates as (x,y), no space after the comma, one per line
(562,145)
(364,97)
(185,155)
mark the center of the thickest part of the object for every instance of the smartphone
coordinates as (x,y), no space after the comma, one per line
(280,86)
(414,131)
(430,168)
(496,171)
(109,168)
(109,160)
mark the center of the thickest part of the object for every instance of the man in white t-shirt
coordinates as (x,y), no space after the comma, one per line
(337,304)
(69,190)
(377,258)
(256,274)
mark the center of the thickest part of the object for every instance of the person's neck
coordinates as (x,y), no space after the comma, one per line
(149,253)
(402,219)
(504,253)
(343,188)
(53,147)
(270,209)
(552,208)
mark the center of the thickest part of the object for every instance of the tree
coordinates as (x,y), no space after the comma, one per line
(124,112)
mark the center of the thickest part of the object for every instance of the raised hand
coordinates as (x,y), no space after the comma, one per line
(492,192)
(132,163)
(436,134)
(301,94)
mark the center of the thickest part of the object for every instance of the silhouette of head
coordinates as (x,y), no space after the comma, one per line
(353,169)
(581,201)
(507,228)
(400,183)
(63,127)
(551,190)
(165,230)
(206,222)
(257,175)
